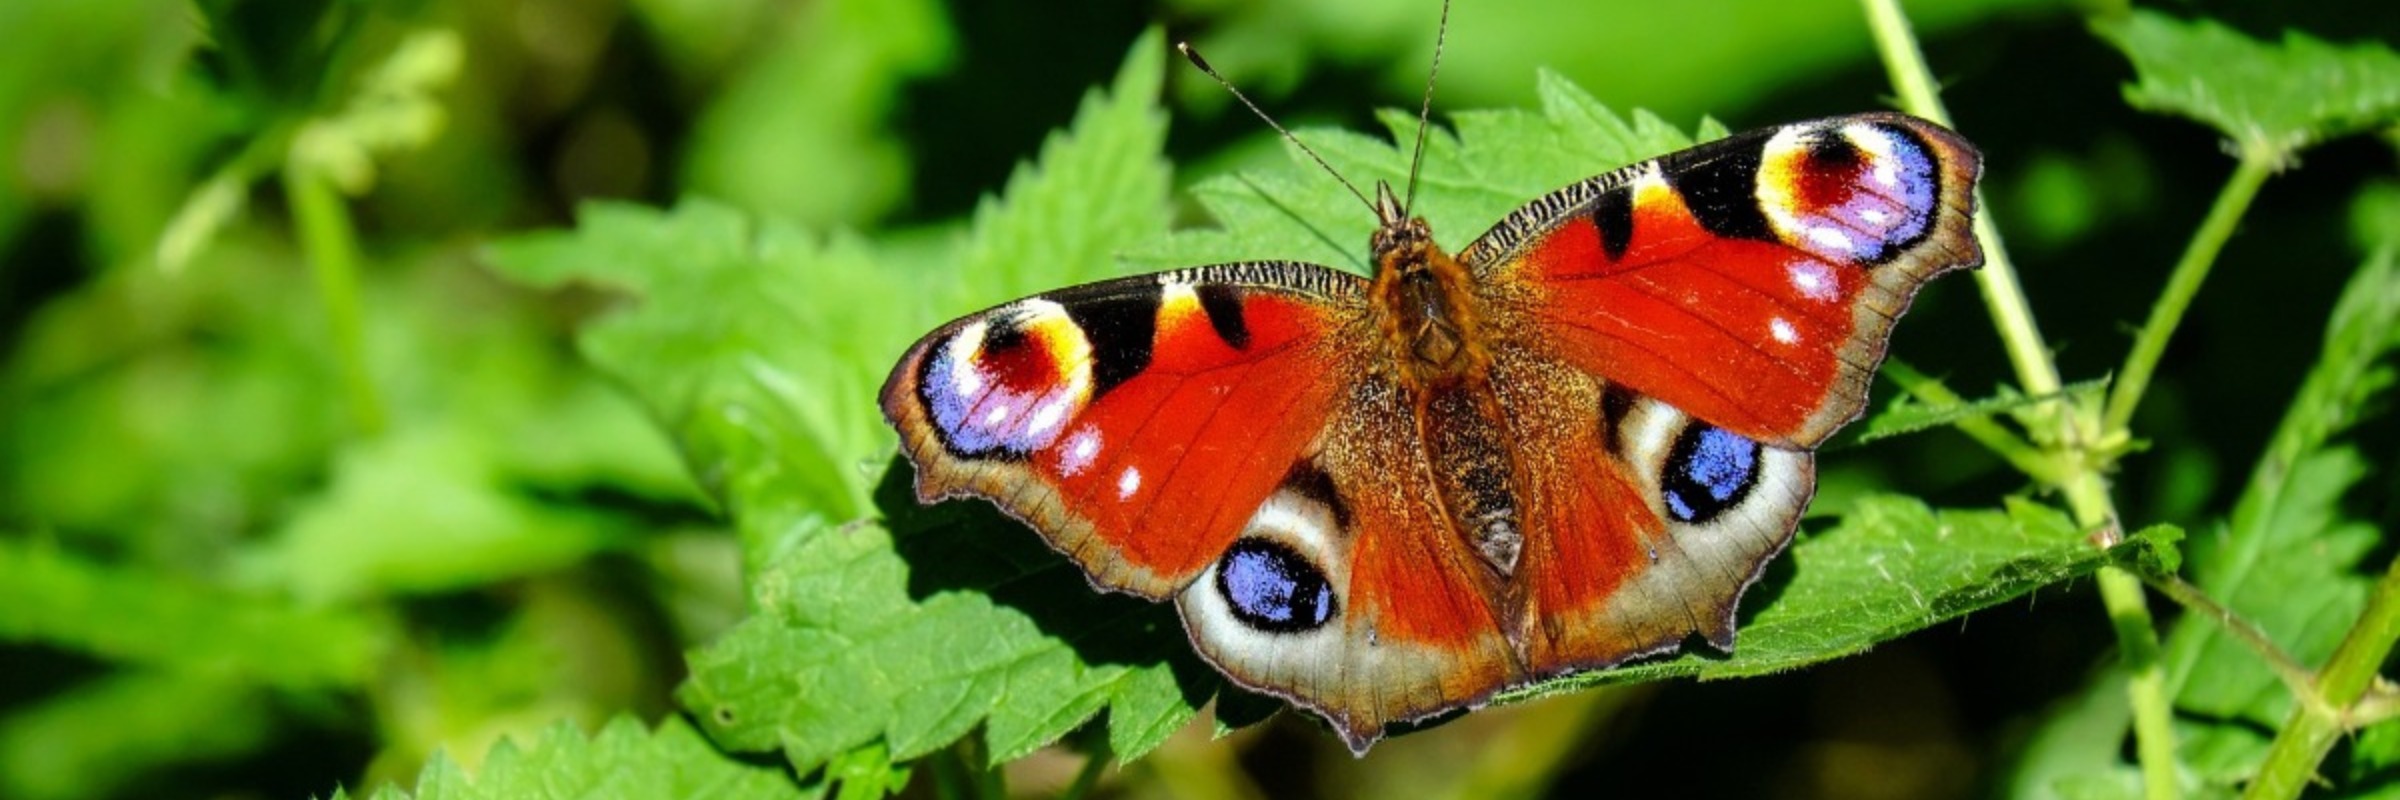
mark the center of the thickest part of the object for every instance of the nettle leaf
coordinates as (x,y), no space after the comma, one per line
(762,347)
(1890,567)
(1905,414)
(624,760)
(799,131)
(2277,97)
(145,616)
(2290,558)
(94,738)
(974,622)
(424,509)
(1301,214)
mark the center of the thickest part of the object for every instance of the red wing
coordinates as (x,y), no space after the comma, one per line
(1751,281)
(1136,423)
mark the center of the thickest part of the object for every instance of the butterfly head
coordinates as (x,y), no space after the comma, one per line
(1400,240)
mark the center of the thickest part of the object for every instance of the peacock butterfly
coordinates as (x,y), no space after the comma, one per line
(1574,443)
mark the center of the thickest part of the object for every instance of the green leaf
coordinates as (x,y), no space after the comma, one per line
(2279,98)
(1906,415)
(800,133)
(623,761)
(2375,750)
(746,335)
(762,347)
(1678,59)
(913,636)
(144,616)
(95,738)
(167,414)
(1097,191)
(1299,213)
(2074,754)
(2289,559)
(1892,566)
(423,510)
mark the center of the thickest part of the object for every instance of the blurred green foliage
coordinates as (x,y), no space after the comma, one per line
(393,392)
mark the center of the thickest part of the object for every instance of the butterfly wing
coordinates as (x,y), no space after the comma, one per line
(1672,338)
(1751,281)
(1136,423)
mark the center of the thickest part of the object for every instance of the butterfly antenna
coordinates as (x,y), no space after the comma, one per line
(1193,55)
(1416,160)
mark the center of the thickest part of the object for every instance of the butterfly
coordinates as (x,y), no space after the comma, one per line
(1574,443)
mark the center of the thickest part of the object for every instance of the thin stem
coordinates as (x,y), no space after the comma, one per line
(1992,435)
(2145,682)
(2003,297)
(331,243)
(2184,283)
(1094,765)
(2305,739)
(2085,487)
(2296,676)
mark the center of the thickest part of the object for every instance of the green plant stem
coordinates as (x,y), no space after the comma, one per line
(1992,435)
(2003,297)
(2296,676)
(1089,776)
(2310,733)
(322,223)
(2190,271)
(2085,487)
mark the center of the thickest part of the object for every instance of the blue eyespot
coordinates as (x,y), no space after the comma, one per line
(1272,588)
(1708,471)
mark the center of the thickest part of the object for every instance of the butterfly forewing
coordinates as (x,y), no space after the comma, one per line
(1751,281)
(1137,423)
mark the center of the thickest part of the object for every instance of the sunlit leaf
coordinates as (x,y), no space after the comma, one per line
(799,133)
(146,616)
(1891,566)
(762,348)
(624,760)
(1905,416)
(99,736)
(2279,97)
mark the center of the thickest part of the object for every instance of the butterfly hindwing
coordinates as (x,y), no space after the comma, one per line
(1751,281)
(1649,524)
(1137,423)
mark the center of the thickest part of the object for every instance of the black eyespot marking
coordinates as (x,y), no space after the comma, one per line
(1709,470)
(1613,215)
(1223,304)
(1830,151)
(1616,402)
(1308,481)
(1120,329)
(1002,336)
(1719,181)
(1274,589)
